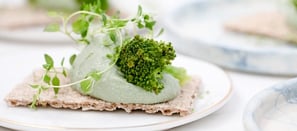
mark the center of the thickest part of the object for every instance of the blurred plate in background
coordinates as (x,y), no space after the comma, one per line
(273,109)
(197,28)
(33,34)
(25,23)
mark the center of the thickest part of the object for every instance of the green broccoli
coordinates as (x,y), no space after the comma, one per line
(143,60)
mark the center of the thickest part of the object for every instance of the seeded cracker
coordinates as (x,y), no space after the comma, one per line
(22,95)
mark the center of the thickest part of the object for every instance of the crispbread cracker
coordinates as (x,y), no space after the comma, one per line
(22,95)
(270,24)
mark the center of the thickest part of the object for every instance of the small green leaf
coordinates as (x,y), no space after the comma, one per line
(140,25)
(52,28)
(150,24)
(109,56)
(49,60)
(106,43)
(95,75)
(46,66)
(81,27)
(84,41)
(56,90)
(119,23)
(35,86)
(104,19)
(146,17)
(139,11)
(86,85)
(160,32)
(47,79)
(72,59)
(64,72)
(62,61)
(112,36)
(56,81)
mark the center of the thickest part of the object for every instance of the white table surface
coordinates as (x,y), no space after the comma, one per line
(228,118)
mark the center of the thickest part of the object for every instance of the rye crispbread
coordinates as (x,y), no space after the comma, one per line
(22,95)
(270,24)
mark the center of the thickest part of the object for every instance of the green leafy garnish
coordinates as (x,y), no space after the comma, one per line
(50,79)
(178,73)
(72,59)
(86,85)
(46,79)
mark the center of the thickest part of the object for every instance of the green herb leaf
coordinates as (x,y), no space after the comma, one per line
(72,59)
(81,27)
(140,25)
(139,11)
(120,23)
(62,61)
(52,28)
(56,81)
(47,79)
(35,86)
(84,41)
(49,60)
(150,24)
(64,72)
(104,19)
(112,36)
(46,66)
(95,75)
(56,90)
(109,56)
(86,85)
(178,73)
(160,32)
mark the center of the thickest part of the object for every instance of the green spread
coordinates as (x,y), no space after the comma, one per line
(112,86)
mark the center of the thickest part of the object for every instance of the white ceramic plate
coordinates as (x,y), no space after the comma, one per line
(33,34)
(217,91)
(198,30)
(273,109)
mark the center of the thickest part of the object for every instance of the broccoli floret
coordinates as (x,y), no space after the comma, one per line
(142,61)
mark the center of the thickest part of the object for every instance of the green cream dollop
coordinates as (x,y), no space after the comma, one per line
(112,86)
